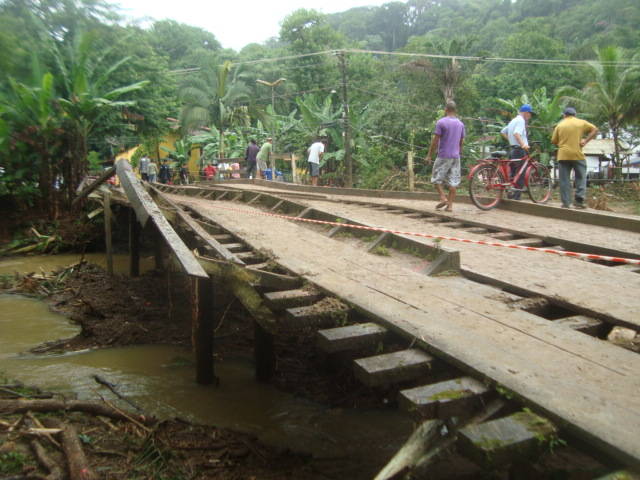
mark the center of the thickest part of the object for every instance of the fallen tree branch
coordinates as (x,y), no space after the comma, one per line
(112,387)
(55,472)
(76,459)
(24,405)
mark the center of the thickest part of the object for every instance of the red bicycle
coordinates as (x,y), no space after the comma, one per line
(490,178)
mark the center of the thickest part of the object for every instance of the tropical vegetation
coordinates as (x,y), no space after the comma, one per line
(80,84)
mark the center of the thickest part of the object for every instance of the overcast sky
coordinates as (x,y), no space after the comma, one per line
(235,23)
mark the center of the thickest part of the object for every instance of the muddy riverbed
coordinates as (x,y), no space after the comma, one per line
(309,431)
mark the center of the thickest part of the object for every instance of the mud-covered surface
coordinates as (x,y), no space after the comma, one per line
(117,310)
(171,449)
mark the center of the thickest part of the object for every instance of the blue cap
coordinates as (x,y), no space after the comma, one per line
(526,108)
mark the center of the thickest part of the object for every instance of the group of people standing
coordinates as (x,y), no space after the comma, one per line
(570,135)
(257,159)
(150,172)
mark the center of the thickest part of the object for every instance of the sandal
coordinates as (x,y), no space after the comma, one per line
(441,204)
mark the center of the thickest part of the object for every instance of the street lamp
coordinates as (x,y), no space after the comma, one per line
(273,86)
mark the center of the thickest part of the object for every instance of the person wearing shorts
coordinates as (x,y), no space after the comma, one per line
(448,139)
(316,150)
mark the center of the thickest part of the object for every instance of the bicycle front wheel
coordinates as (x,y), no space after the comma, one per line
(538,181)
(486,187)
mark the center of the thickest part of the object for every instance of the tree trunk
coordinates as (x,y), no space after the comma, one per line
(617,164)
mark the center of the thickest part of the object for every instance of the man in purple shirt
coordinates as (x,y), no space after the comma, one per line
(447,140)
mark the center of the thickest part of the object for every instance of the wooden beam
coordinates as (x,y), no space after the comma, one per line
(186,219)
(202,332)
(107,231)
(134,245)
(146,208)
(258,278)
(264,353)
(106,175)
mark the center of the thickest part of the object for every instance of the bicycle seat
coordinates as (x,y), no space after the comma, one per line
(499,154)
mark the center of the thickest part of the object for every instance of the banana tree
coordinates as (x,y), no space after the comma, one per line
(548,114)
(181,153)
(87,99)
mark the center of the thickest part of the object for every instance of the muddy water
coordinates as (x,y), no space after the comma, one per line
(48,263)
(160,379)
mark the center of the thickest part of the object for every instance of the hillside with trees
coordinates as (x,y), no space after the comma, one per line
(80,83)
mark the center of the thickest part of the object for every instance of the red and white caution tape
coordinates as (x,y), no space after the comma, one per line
(563,253)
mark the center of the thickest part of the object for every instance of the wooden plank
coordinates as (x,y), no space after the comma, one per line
(477,230)
(501,235)
(277,205)
(146,208)
(223,238)
(350,338)
(443,400)
(104,176)
(558,371)
(584,324)
(325,313)
(506,440)
(427,443)
(234,247)
(258,278)
(393,368)
(221,250)
(291,298)
(528,242)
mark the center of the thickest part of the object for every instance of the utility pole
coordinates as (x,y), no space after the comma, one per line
(345,117)
(273,86)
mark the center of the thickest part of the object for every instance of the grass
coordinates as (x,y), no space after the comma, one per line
(381,250)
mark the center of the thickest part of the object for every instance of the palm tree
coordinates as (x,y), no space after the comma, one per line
(612,95)
(212,98)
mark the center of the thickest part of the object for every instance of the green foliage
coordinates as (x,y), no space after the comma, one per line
(611,95)
(12,462)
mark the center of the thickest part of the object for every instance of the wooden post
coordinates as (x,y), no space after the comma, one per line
(158,250)
(294,171)
(134,244)
(202,331)
(410,156)
(264,353)
(107,231)
(412,179)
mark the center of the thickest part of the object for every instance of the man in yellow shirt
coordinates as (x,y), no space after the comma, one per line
(569,136)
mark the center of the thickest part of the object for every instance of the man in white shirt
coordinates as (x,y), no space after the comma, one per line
(316,150)
(516,134)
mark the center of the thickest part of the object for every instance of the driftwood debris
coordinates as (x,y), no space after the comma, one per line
(76,459)
(113,390)
(55,472)
(23,405)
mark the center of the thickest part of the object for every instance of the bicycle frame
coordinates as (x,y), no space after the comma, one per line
(503,165)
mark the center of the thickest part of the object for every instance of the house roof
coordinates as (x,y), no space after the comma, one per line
(602,146)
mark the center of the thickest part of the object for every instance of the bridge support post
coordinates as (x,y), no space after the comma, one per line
(202,331)
(106,206)
(264,353)
(158,249)
(134,244)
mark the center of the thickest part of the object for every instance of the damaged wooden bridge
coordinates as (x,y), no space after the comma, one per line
(497,351)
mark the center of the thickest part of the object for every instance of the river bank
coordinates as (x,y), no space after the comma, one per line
(116,314)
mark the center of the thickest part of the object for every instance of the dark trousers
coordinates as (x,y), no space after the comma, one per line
(516,152)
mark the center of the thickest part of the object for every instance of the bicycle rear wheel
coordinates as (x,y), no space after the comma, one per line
(538,183)
(486,187)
